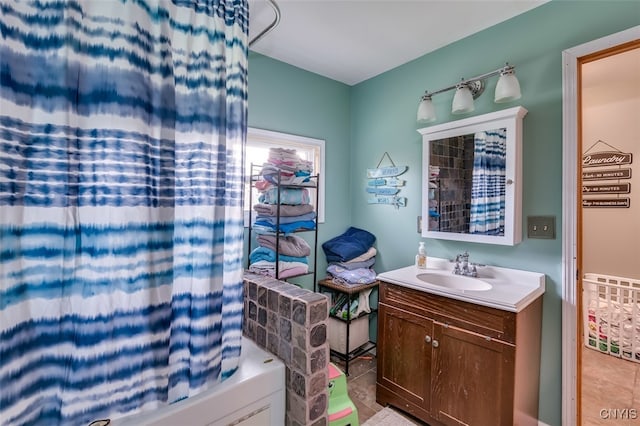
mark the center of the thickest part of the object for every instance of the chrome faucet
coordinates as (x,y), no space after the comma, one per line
(463,267)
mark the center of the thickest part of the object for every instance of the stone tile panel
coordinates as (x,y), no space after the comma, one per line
(291,323)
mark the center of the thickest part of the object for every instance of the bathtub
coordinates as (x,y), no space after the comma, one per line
(253,395)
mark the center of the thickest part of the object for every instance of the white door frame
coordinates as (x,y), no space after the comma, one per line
(569,210)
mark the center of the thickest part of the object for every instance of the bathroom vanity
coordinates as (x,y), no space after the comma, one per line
(455,350)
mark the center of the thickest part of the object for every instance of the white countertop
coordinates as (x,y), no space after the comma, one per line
(511,289)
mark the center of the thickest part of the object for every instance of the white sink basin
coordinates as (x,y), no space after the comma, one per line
(457,282)
(502,288)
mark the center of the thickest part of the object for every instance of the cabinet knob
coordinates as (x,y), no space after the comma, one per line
(427,339)
(435,344)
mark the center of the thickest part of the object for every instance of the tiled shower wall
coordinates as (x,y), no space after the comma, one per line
(454,156)
(291,323)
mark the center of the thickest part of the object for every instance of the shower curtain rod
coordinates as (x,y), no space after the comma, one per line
(271,26)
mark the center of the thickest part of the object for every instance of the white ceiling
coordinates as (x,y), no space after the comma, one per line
(353,40)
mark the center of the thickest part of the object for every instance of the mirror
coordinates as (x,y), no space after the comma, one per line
(472,178)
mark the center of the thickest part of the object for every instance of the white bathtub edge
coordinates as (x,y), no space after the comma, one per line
(258,382)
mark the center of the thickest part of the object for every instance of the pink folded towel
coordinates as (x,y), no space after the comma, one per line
(285,209)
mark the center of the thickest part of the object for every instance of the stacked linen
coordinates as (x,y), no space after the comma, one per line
(284,209)
(284,166)
(351,257)
(281,211)
(290,252)
(294,212)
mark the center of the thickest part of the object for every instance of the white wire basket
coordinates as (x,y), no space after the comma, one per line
(611,314)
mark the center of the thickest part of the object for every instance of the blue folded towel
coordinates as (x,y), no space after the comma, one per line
(264,253)
(353,243)
(287,228)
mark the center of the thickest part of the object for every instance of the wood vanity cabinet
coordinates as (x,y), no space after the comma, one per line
(449,362)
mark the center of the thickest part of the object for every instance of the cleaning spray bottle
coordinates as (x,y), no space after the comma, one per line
(421,257)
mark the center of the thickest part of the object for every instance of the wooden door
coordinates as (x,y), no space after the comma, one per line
(404,359)
(472,378)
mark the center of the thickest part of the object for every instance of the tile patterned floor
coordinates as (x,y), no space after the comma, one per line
(609,383)
(361,384)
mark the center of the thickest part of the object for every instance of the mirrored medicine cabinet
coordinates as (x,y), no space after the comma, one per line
(472,178)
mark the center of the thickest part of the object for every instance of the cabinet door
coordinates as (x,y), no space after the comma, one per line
(472,378)
(404,355)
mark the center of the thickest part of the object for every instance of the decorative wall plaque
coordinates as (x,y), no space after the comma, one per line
(606,158)
(610,157)
(383,185)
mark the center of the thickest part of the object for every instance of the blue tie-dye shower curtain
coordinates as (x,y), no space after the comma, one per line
(122,125)
(488,184)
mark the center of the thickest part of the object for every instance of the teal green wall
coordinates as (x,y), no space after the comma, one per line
(383,119)
(361,122)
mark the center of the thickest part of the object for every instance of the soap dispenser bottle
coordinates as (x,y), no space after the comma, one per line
(421,257)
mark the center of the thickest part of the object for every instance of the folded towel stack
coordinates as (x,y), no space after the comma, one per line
(351,257)
(284,166)
(291,255)
(282,210)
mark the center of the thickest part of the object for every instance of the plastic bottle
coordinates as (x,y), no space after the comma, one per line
(421,257)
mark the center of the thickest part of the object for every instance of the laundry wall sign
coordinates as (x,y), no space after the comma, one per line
(605,175)
(606,158)
(383,184)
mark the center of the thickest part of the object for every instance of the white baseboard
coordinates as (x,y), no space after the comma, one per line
(541,423)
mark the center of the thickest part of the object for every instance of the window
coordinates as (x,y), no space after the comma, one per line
(257,151)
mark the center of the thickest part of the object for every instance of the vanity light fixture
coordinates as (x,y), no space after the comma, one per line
(507,90)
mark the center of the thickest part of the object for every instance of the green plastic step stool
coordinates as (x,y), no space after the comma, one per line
(341,410)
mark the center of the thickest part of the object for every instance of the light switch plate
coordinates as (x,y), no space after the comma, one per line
(541,227)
